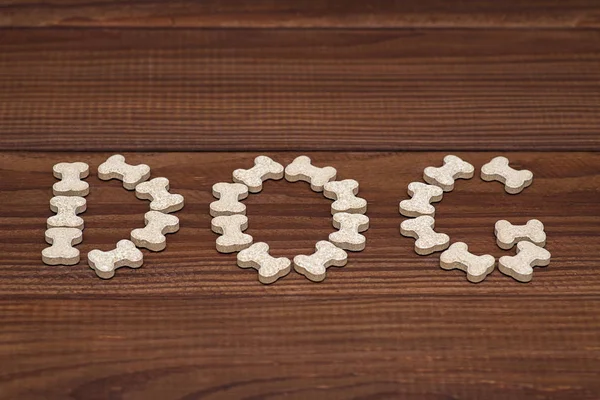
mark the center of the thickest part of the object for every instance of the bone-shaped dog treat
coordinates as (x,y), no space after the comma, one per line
(231,228)
(115,167)
(229,195)
(62,251)
(514,181)
(314,267)
(453,168)
(66,209)
(152,236)
(421,197)
(348,236)
(106,262)
(264,168)
(520,267)
(458,257)
(508,234)
(421,228)
(344,193)
(301,169)
(71,175)
(269,268)
(157,190)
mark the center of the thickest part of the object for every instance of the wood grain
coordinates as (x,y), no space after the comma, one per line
(292,218)
(302,14)
(174,90)
(395,347)
(190,324)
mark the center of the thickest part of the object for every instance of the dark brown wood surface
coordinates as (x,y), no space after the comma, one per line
(378,89)
(299,90)
(302,14)
(391,324)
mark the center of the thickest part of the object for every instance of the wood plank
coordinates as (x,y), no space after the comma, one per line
(191,324)
(293,347)
(78,89)
(304,14)
(291,218)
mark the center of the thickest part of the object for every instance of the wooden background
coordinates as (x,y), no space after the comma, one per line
(378,89)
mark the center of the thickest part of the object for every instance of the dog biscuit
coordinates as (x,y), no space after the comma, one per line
(350,225)
(499,170)
(344,193)
(444,176)
(61,251)
(115,167)
(269,268)
(458,257)
(520,267)
(508,234)
(264,168)
(157,190)
(314,267)
(422,195)
(66,209)
(70,175)
(231,228)
(152,237)
(301,169)
(229,195)
(106,262)
(428,241)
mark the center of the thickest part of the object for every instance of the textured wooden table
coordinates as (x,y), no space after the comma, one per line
(380,91)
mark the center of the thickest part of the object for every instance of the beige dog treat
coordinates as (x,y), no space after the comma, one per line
(157,190)
(348,236)
(231,228)
(106,262)
(116,168)
(344,193)
(521,266)
(421,196)
(301,169)
(314,267)
(71,175)
(62,251)
(264,168)
(152,237)
(229,195)
(269,268)
(453,168)
(498,170)
(508,234)
(66,209)
(421,228)
(476,267)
